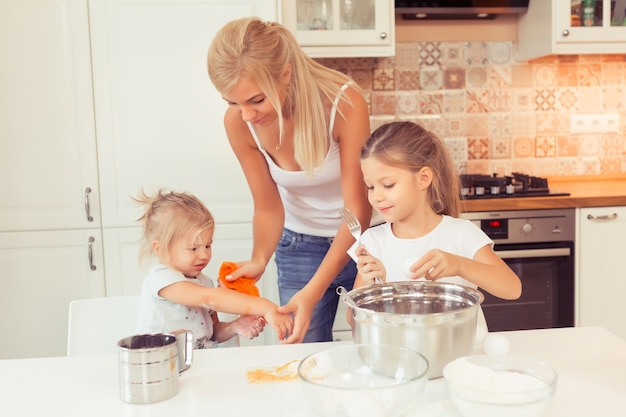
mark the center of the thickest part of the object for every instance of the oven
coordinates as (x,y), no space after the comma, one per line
(539,246)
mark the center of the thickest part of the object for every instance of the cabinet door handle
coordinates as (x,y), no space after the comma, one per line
(565,33)
(604,217)
(383,35)
(87,211)
(90,253)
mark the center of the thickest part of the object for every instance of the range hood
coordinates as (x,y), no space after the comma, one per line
(458,9)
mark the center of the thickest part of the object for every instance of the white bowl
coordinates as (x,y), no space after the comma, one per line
(363,380)
(499,385)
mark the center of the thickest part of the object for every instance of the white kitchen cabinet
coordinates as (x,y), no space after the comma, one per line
(548,28)
(159,119)
(50,209)
(602,268)
(47,135)
(342,28)
(40,273)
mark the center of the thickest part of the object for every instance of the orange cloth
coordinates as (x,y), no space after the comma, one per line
(243,284)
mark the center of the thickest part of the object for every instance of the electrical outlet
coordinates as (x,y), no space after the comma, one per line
(594,123)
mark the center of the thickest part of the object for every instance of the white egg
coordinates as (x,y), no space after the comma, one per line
(407,273)
(495,344)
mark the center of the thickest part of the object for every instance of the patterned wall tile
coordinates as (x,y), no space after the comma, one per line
(477,148)
(476,54)
(431,78)
(478,124)
(589,166)
(612,99)
(433,123)
(545,146)
(383,103)
(566,99)
(477,166)
(407,79)
(610,144)
(454,101)
(612,73)
(452,54)
(523,124)
(453,78)
(500,147)
(429,54)
(454,125)
(569,166)
(523,147)
(457,148)
(589,144)
(476,77)
(545,99)
(500,125)
(383,79)
(568,145)
(547,123)
(545,75)
(477,101)
(610,165)
(589,75)
(567,75)
(363,77)
(407,54)
(522,76)
(522,99)
(408,103)
(499,53)
(431,103)
(589,99)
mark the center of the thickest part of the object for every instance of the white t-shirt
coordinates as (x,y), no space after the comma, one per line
(457,236)
(158,315)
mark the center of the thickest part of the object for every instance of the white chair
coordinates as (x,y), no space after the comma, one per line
(96,324)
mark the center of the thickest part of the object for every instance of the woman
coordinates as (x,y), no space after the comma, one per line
(296,128)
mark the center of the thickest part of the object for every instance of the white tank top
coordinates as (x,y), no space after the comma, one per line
(312,203)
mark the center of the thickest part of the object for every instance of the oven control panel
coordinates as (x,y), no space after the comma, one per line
(526,226)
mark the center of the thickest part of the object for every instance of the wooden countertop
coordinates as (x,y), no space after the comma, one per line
(590,191)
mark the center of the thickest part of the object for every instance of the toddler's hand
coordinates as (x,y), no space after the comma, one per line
(249,326)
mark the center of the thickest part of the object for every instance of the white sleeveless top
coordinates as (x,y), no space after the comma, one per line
(312,203)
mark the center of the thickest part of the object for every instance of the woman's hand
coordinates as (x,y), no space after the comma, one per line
(369,267)
(248,269)
(301,307)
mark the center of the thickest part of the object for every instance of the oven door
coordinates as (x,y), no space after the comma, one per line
(547,301)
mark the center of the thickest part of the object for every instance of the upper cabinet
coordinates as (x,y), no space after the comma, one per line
(572,27)
(342,28)
(159,120)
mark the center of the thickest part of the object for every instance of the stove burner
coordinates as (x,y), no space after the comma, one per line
(478,186)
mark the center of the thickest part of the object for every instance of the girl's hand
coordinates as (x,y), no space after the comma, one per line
(301,308)
(369,267)
(435,264)
(248,326)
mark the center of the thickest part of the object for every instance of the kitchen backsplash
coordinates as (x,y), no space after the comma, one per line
(498,115)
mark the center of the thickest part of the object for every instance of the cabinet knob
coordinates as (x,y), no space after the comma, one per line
(383,35)
(565,33)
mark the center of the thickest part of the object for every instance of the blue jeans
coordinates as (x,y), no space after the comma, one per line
(297,258)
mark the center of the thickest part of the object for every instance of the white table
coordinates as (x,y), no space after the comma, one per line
(590,363)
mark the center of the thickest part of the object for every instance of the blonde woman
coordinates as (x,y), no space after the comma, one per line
(296,128)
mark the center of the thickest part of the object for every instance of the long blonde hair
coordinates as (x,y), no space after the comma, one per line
(409,146)
(169,217)
(262,50)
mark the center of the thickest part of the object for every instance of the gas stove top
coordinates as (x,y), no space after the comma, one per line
(478,186)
